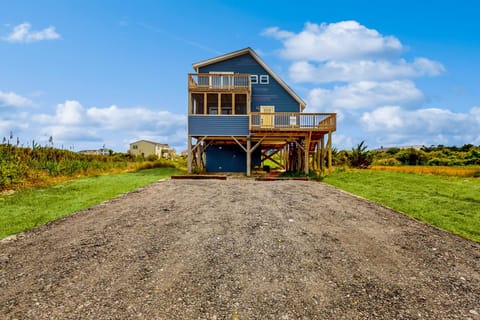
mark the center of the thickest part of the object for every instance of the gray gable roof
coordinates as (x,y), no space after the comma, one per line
(198,65)
(151,142)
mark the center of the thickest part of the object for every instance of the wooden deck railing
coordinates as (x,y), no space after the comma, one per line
(219,81)
(284,121)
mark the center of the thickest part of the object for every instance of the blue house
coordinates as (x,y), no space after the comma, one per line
(240,113)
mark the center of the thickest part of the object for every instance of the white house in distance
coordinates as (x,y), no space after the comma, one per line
(101,151)
(146,148)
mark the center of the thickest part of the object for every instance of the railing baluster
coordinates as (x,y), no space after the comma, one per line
(285,120)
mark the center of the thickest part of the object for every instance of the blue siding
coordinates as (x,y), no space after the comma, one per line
(272,94)
(226,158)
(229,158)
(199,125)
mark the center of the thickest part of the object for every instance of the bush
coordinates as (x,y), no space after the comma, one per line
(341,158)
(359,158)
(26,166)
(411,157)
(152,157)
(387,162)
(438,162)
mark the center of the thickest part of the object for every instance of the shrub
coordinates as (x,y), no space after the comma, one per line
(359,157)
(411,157)
(387,162)
(26,166)
(152,157)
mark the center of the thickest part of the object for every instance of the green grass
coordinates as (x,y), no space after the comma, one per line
(29,208)
(450,203)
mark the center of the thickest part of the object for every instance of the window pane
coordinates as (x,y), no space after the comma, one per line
(226,101)
(240,104)
(264,79)
(212,103)
(198,104)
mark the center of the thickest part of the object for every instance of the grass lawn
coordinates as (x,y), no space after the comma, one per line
(31,207)
(450,203)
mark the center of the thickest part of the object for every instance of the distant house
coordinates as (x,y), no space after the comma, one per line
(101,151)
(240,114)
(382,148)
(146,148)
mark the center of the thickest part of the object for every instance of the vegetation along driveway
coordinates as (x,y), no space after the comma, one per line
(238,249)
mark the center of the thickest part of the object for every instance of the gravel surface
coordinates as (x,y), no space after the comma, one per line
(238,249)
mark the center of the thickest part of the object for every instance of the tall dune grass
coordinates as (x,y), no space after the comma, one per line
(24,167)
(434,170)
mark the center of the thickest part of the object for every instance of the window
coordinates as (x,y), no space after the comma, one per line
(240,104)
(226,103)
(212,103)
(264,79)
(198,103)
(134,147)
(254,78)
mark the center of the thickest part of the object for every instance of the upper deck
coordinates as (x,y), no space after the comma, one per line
(219,82)
(292,121)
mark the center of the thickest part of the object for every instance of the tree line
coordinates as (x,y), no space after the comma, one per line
(440,155)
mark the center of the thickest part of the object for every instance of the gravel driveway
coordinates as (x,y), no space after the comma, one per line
(238,249)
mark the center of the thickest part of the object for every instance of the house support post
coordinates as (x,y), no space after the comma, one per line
(329,149)
(199,157)
(307,153)
(287,152)
(322,153)
(190,155)
(249,156)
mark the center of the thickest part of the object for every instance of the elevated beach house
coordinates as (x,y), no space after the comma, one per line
(240,113)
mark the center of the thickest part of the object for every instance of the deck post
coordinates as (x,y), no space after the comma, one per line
(322,153)
(249,156)
(307,152)
(199,157)
(318,156)
(329,148)
(189,159)
(298,151)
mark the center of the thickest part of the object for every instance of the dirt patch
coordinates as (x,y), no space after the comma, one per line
(239,249)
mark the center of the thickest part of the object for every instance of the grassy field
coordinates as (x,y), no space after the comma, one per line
(464,171)
(450,203)
(31,207)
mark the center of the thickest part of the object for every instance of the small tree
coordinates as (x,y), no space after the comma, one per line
(359,157)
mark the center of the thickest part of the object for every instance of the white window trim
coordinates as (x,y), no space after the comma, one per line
(264,79)
(254,78)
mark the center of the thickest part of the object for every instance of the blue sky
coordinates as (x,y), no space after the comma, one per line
(94,73)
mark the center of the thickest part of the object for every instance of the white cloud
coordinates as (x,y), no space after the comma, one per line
(342,142)
(64,133)
(429,120)
(363,94)
(384,118)
(73,122)
(369,85)
(69,113)
(334,41)
(363,70)
(423,126)
(138,118)
(11,99)
(11,125)
(22,34)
